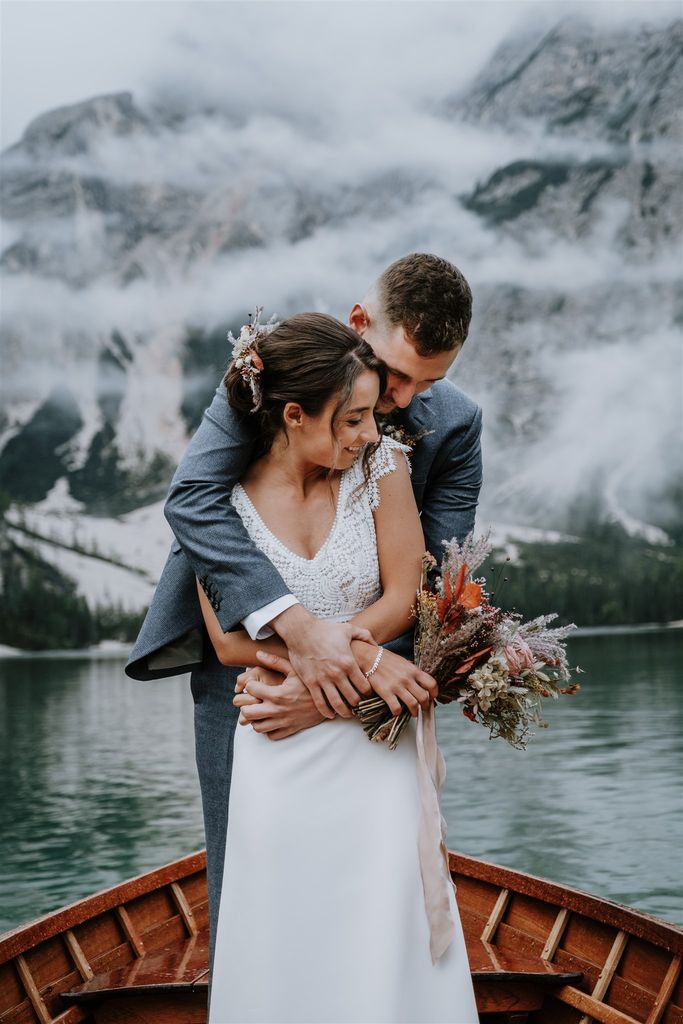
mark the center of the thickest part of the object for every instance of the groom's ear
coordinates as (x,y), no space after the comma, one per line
(359,319)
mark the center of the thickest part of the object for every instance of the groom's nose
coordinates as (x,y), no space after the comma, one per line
(371,434)
(401,393)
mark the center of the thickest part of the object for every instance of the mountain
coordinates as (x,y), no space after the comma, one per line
(137,234)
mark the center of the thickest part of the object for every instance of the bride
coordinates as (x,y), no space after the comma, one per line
(327,911)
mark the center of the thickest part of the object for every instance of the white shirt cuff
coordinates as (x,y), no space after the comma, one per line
(256,623)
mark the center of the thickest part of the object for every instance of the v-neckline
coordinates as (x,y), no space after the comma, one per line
(280,543)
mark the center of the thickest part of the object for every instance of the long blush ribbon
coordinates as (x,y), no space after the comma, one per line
(433,853)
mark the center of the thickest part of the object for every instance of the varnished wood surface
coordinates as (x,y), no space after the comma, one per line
(486,961)
(180,966)
(184,964)
(634,922)
(535,947)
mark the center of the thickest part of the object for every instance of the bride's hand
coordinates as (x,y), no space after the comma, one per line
(321,656)
(400,683)
(252,675)
(275,704)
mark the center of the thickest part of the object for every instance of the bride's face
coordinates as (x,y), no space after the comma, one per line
(335,445)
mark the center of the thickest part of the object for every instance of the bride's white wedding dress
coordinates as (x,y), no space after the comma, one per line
(322,915)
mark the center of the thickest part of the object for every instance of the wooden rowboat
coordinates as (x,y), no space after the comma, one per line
(540,953)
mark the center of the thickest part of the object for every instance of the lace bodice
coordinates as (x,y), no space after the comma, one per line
(343,577)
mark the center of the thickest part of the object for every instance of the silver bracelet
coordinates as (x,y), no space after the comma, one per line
(375,665)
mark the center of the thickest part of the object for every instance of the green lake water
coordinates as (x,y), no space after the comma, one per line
(98,779)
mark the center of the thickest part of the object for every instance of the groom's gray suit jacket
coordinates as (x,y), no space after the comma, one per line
(213,546)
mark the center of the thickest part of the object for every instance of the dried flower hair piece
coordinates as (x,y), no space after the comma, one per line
(245,357)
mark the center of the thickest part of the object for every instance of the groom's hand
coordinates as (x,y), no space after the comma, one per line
(321,656)
(275,704)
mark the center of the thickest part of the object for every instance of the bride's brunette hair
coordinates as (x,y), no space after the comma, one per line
(309,359)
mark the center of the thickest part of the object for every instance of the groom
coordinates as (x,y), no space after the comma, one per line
(416,317)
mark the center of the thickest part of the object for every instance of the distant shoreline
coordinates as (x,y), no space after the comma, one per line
(638,627)
(106,650)
(114,650)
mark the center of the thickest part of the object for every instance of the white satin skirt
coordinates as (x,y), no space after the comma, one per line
(322,916)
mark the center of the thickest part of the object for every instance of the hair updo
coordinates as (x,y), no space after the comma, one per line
(309,359)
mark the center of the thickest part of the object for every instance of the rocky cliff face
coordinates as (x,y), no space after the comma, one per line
(617,95)
(137,237)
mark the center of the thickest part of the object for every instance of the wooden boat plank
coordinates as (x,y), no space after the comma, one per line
(165,969)
(555,1013)
(646,927)
(145,911)
(102,932)
(666,991)
(673,1015)
(487,959)
(590,940)
(26,937)
(645,964)
(472,924)
(77,955)
(194,887)
(555,934)
(536,919)
(608,971)
(496,915)
(629,997)
(479,897)
(13,991)
(20,1013)
(73,1015)
(50,960)
(164,933)
(506,997)
(530,915)
(512,940)
(595,1009)
(184,908)
(111,958)
(157,1008)
(52,993)
(28,981)
(130,931)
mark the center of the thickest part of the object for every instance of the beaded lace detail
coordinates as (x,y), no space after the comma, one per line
(343,577)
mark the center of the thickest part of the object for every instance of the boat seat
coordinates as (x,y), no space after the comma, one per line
(171,984)
(507,983)
(163,986)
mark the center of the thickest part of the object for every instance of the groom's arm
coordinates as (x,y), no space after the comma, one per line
(238,578)
(242,585)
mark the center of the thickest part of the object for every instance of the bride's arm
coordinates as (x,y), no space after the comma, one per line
(400,547)
(236,647)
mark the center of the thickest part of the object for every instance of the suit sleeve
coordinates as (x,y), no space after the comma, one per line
(236,576)
(450,500)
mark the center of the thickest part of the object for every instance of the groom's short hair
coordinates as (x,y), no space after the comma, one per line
(430,298)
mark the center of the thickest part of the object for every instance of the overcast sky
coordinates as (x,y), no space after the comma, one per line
(62,51)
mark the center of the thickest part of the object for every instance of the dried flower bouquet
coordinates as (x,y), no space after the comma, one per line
(490,661)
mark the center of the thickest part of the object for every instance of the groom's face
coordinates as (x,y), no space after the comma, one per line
(409,373)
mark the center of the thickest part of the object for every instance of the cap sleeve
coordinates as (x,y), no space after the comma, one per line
(382,462)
